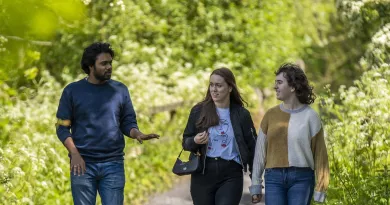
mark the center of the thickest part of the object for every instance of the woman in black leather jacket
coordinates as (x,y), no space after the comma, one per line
(222,131)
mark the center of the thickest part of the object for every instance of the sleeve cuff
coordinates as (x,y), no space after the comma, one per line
(63,134)
(319,196)
(190,144)
(64,139)
(255,189)
(126,131)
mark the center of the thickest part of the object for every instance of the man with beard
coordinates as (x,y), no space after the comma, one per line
(93,115)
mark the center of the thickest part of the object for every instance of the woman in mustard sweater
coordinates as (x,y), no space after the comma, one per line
(290,146)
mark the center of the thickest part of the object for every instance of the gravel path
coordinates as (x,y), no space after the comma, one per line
(180,194)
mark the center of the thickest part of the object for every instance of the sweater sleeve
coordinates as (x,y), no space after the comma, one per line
(128,118)
(64,116)
(259,161)
(321,165)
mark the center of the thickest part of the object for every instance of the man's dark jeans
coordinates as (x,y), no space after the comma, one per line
(108,178)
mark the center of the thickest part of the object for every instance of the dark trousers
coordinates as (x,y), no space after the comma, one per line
(221,184)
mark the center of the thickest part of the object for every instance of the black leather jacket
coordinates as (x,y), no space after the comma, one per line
(244,134)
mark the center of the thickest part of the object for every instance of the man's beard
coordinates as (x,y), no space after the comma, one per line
(103,77)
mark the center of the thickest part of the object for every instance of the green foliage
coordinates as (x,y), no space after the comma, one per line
(369,20)
(356,41)
(251,37)
(39,19)
(25,27)
(358,128)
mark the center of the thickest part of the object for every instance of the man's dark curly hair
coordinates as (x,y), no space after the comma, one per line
(91,52)
(297,79)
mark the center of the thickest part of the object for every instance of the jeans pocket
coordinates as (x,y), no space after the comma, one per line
(267,171)
(305,175)
(117,162)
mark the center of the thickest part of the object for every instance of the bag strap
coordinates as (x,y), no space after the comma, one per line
(180,153)
(197,153)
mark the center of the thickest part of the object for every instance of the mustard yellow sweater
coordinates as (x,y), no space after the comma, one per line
(291,138)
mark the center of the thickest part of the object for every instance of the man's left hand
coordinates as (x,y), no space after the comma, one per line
(142,137)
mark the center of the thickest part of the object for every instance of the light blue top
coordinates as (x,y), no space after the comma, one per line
(221,138)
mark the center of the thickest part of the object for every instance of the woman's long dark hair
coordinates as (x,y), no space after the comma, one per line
(297,79)
(208,115)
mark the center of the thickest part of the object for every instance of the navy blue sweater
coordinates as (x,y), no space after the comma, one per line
(100,115)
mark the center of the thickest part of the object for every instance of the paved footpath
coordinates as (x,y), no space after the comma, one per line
(180,194)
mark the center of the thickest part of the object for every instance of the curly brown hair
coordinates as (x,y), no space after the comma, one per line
(297,79)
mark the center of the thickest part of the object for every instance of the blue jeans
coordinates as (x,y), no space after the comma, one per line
(107,177)
(289,186)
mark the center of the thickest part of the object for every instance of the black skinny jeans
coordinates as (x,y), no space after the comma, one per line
(221,184)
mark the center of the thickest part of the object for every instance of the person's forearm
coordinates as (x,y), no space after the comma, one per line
(134,133)
(190,145)
(69,144)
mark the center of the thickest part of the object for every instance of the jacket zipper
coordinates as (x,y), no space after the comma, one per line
(204,160)
(253,134)
(239,154)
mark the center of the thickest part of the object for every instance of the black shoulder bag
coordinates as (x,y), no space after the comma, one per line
(191,166)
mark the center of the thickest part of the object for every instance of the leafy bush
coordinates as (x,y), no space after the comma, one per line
(357,123)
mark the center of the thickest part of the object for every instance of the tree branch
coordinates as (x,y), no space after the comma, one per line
(40,43)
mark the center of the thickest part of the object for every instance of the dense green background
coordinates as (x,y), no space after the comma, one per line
(165,52)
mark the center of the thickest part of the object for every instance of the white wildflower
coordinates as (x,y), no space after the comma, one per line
(26,200)
(58,170)
(361,94)
(44,184)
(17,172)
